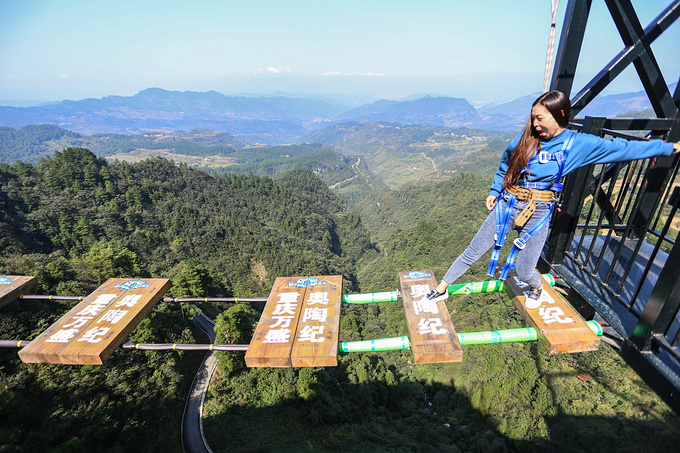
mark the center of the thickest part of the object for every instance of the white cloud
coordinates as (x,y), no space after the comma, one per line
(65,76)
(270,70)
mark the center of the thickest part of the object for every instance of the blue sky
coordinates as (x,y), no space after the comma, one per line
(483,50)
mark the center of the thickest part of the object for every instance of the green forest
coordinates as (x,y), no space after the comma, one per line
(73,220)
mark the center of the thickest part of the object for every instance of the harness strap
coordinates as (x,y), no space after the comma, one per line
(562,154)
(540,185)
(502,224)
(521,242)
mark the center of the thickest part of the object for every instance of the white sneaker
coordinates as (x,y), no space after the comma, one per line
(533,298)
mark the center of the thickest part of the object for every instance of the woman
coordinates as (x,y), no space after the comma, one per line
(526,186)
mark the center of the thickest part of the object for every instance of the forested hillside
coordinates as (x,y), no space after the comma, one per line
(76,204)
(215,152)
(30,143)
(73,221)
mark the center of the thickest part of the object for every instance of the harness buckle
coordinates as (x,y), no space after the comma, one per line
(519,243)
(544,157)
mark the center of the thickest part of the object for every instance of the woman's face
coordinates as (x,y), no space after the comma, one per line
(544,123)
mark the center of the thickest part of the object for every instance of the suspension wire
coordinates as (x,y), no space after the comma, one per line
(554,4)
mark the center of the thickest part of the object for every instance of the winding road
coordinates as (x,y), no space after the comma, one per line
(192,423)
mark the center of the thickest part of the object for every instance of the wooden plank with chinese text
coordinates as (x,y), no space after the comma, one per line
(561,329)
(90,331)
(433,338)
(273,338)
(316,339)
(15,286)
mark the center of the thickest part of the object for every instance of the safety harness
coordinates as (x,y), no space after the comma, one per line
(533,192)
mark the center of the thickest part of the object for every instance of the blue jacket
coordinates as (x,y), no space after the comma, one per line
(586,149)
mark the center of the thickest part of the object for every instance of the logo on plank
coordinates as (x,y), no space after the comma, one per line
(6,281)
(417,274)
(132,284)
(307,282)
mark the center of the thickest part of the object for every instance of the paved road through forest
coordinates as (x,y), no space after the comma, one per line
(192,425)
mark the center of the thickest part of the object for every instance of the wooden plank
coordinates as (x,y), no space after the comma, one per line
(433,338)
(273,338)
(316,339)
(45,348)
(561,329)
(90,331)
(14,286)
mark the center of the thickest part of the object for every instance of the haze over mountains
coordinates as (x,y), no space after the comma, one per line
(278,119)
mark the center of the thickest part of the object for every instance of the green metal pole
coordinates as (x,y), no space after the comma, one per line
(382,344)
(488,286)
(386,296)
(499,336)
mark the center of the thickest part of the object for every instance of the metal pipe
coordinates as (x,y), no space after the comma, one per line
(381,344)
(40,297)
(489,286)
(185,347)
(215,299)
(369,298)
(14,343)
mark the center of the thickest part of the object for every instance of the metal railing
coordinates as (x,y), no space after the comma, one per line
(614,240)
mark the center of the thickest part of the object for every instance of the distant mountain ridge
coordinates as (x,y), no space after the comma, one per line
(278,119)
(430,111)
(157,109)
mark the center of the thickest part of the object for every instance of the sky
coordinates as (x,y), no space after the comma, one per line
(482,50)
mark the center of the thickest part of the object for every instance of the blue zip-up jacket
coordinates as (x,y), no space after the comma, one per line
(585,150)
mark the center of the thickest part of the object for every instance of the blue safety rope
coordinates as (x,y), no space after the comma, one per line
(503,219)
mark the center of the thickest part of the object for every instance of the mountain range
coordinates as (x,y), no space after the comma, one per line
(278,119)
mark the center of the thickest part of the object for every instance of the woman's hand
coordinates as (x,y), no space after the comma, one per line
(676,148)
(490,202)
